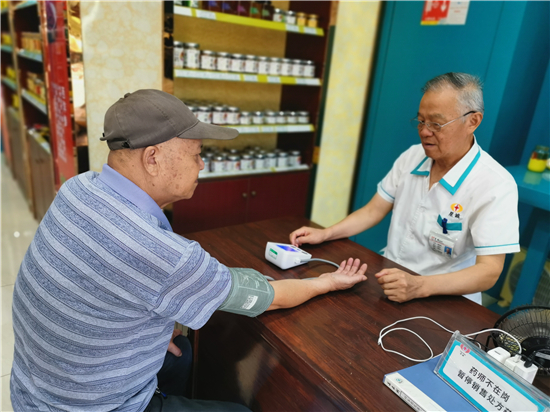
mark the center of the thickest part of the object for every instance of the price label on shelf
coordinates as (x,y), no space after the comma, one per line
(273,79)
(269,129)
(250,78)
(203,14)
(310,30)
(183,11)
(292,27)
(299,128)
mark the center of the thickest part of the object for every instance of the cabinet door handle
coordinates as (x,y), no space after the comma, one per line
(245,195)
(253,193)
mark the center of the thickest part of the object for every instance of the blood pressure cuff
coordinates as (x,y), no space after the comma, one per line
(250,295)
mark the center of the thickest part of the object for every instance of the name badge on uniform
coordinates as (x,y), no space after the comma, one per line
(441,243)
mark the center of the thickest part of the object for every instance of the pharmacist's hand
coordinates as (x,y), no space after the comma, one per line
(347,275)
(172,347)
(307,235)
(398,285)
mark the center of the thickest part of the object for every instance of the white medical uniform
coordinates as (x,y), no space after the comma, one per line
(478,197)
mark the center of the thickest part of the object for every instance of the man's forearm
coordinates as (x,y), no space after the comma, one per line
(294,292)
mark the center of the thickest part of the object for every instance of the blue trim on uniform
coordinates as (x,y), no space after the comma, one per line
(380,185)
(509,244)
(450,226)
(452,189)
(420,173)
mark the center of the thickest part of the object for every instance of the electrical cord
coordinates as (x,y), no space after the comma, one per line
(320,260)
(384,332)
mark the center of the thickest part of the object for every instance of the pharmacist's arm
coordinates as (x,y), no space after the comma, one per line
(368,216)
(401,286)
(294,292)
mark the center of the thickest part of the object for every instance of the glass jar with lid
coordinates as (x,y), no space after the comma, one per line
(278,15)
(233,115)
(270,117)
(259,161)
(301,19)
(223,61)
(250,64)
(286,67)
(179,55)
(233,163)
(237,63)
(291,17)
(312,20)
(257,117)
(297,68)
(294,158)
(281,117)
(303,117)
(282,159)
(270,160)
(309,68)
(204,114)
(275,66)
(263,65)
(245,118)
(219,115)
(208,60)
(247,162)
(192,55)
(218,164)
(291,117)
(539,157)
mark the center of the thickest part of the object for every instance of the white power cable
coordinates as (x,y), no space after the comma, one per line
(383,333)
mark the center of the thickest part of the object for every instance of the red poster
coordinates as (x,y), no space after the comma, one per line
(57,80)
(434,11)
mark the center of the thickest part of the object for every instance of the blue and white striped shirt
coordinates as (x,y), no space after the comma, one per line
(97,295)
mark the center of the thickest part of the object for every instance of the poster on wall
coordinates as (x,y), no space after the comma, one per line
(58,93)
(438,13)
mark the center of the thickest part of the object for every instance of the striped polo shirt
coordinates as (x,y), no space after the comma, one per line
(97,295)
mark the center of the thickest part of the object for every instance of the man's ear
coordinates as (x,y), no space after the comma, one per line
(474,121)
(150,159)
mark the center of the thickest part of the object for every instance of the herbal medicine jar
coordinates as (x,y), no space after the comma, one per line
(204,114)
(247,162)
(270,160)
(219,115)
(237,63)
(291,117)
(259,161)
(286,67)
(233,163)
(192,55)
(223,61)
(245,118)
(233,115)
(295,158)
(275,66)
(208,60)
(218,164)
(297,68)
(312,20)
(537,162)
(291,17)
(278,15)
(301,19)
(250,64)
(270,117)
(179,55)
(309,68)
(263,65)
(282,159)
(257,118)
(281,118)
(303,117)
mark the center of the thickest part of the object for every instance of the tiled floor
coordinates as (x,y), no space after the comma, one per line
(18,228)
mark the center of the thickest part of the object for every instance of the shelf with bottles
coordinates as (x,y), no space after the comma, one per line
(247,21)
(34,100)
(9,82)
(242,77)
(239,173)
(289,128)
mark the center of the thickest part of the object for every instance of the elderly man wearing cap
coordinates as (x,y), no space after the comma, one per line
(105,277)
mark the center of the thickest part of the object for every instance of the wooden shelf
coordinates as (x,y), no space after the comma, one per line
(268,128)
(247,21)
(25,4)
(41,141)
(7,49)
(10,83)
(35,100)
(241,77)
(252,172)
(30,55)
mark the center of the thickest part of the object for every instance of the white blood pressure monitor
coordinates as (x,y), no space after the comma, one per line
(285,256)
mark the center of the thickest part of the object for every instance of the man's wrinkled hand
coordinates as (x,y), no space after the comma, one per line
(172,347)
(348,274)
(398,285)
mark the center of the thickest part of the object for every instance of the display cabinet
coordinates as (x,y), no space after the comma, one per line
(243,196)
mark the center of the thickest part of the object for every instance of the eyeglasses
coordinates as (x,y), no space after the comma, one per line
(435,127)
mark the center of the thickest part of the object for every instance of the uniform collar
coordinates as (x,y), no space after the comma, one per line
(454,177)
(133,193)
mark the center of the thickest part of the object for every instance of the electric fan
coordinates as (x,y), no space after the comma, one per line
(530,325)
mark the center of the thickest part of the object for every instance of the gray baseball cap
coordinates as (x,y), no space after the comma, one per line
(148,117)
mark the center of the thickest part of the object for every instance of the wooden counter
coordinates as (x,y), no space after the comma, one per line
(322,355)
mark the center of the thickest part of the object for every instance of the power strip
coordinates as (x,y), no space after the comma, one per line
(514,363)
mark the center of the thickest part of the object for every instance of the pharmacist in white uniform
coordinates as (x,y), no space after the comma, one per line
(454,207)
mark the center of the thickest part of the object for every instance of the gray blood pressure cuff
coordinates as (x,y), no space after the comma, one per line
(250,295)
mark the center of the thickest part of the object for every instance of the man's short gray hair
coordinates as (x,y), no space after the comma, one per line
(469,87)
